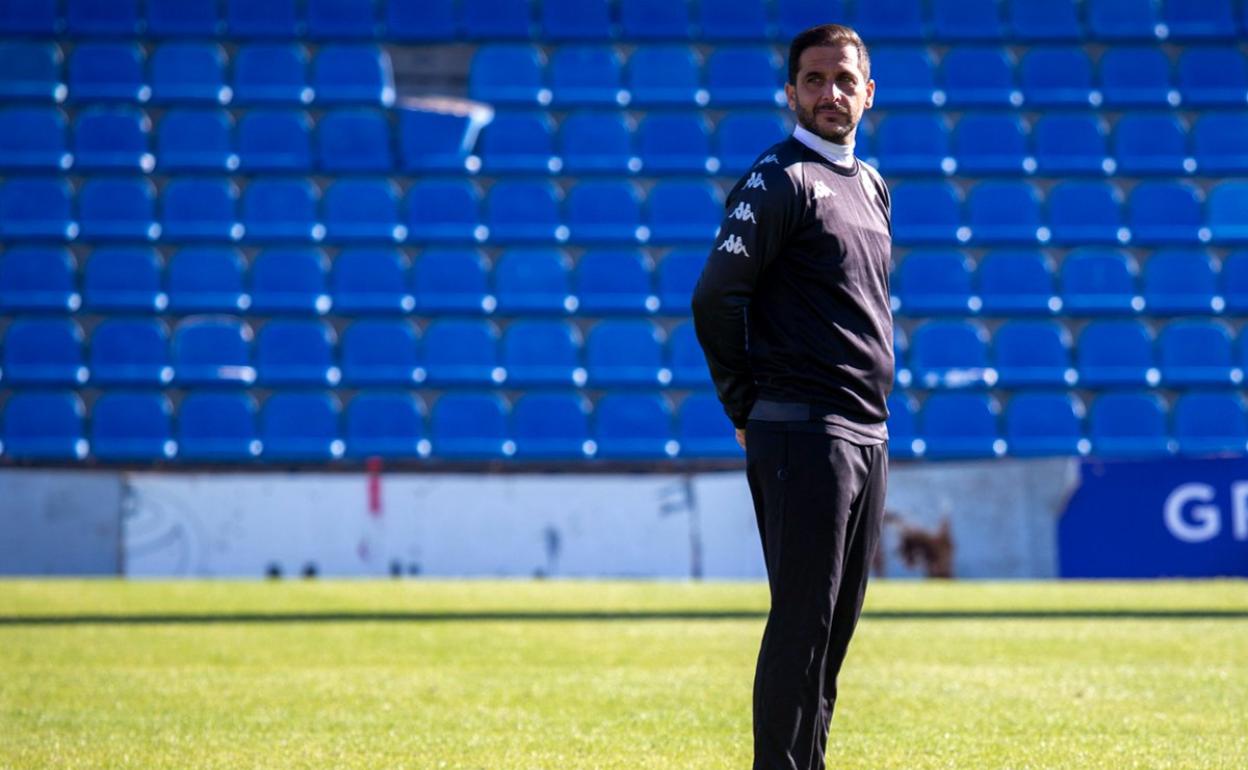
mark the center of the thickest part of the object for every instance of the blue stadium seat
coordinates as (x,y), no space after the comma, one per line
(914,143)
(1227,203)
(1072,144)
(520,142)
(290,281)
(471,426)
(576,20)
(587,76)
(963,20)
(213,350)
(35,279)
(342,19)
(1181,282)
(935,282)
(45,425)
(902,376)
(1100,281)
(1197,352)
(794,16)
(450,280)
(534,281)
(1137,77)
(438,142)
(741,20)
(1166,212)
(43,351)
(1220,141)
(112,139)
(281,210)
(1085,212)
(271,73)
(1147,143)
(371,281)
(353,73)
(377,351)
(615,281)
(189,72)
(1044,20)
(354,140)
(36,208)
(124,279)
(597,142)
(1214,76)
(1033,353)
(634,426)
(703,430)
(1235,281)
(386,424)
(951,354)
(112,72)
(301,426)
(911,75)
(1199,20)
(117,209)
(744,76)
(489,20)
(444,211)
(903,428)
(292,352)
(1210,423)
(524,211)
(1129,425)
(217,426)
(677,275)
(927,212)
(961,425)
(196,140)
(1116,354)
(552,425)
(992,144)
(680,211)
(1005,212)
(31,71)
(1045,424)
(666,76)
(263,18)
(740,138)
(130,352)
(103,18)
(1123,19)
(980,77)
(509,74)
(422,20)
(675,143)
(685,358)
(463,352)
(655,20)
(1017,283)
(1058,76)
(363,210)
(275,140)
(543,353)
(34,140)
(604,212)
(891,20)
(35,18)
(626,353)
(207,280)
(184,18)
(200,210)
(132,426)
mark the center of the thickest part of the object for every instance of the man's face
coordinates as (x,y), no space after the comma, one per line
(831,93)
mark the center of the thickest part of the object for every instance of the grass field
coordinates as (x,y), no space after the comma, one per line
(570,675)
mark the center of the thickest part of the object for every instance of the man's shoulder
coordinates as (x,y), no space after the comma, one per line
(782,155)
(874,177)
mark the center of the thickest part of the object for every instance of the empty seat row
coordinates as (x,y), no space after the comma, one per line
(224,351)
(949,354)
(188,72)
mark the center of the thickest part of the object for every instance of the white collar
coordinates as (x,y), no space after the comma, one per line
(836,154)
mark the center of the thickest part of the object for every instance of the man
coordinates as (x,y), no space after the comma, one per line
(792,312)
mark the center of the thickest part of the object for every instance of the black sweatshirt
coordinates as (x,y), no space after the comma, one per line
(793,303)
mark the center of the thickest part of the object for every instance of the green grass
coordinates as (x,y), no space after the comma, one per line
(568,675)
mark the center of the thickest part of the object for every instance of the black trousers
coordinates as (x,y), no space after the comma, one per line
(819,501)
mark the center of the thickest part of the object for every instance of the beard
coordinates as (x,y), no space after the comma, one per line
(840,133)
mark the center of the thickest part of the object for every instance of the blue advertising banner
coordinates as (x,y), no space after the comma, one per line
(1165,518)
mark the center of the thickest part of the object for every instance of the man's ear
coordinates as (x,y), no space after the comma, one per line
(790,94)
(870,94)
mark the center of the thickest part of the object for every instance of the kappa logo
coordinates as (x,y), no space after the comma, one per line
(743,213)
(733,245)
(768,159)
(822,190)
(755,180)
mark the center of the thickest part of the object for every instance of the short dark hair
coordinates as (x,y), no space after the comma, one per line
(827,34)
